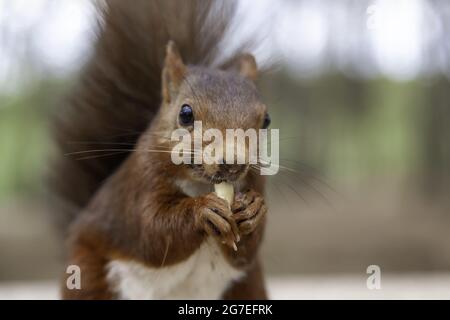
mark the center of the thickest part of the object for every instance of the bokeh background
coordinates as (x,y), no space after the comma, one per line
(359,90)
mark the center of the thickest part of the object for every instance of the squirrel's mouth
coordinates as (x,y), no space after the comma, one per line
(225,173)
(218,179)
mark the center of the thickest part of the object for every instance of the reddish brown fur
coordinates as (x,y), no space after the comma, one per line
(129,206)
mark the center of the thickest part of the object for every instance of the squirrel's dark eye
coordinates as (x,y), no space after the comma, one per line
(266,122)
(186,115)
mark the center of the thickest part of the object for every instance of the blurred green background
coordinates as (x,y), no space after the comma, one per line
(363,109)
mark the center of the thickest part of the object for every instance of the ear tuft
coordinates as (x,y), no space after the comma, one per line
(174,72)
(248,67)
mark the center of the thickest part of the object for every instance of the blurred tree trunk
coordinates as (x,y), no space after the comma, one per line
(436,139)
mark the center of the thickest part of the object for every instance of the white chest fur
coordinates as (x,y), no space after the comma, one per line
(204,275)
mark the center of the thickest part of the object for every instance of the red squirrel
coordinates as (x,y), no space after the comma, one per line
(141,227)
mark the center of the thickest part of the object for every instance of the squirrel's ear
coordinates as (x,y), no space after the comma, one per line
(173,72)
(247,66)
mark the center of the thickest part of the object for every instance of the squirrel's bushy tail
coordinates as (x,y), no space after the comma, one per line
(119,90)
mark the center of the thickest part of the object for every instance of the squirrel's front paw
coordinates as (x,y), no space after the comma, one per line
(215,218)
(249,210)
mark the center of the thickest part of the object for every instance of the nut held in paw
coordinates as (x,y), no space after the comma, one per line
(225,191)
